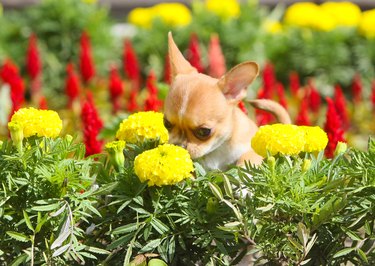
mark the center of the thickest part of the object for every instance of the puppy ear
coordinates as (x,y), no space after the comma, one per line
(234,83)
(179,65)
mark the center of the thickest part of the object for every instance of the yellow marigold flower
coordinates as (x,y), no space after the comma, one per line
(173,14)
(367,24)
(315,139)
(309,15)
(143,126)
(273,26)
(278,138)
(141,17)
(345,13)
(43,123)
(224,9)
(165,165)
(89,1)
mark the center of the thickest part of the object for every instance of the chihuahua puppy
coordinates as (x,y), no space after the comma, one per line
(201,112)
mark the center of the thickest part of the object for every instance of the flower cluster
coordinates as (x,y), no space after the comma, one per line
(323,17)
(288,139)
(366,25)
(143,126)
(43,123)
(173,14)
(224,9)
(165,165)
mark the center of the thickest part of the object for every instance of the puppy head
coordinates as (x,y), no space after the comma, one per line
(199,109)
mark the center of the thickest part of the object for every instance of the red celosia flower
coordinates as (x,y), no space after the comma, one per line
(194,54)
(86,63)
(294,83)
(10,75)
(314,97)
(151,83)
(216,65)
(242,106)
(167,70)
(92,124)
(33,63)
(152,102)
(302,118)
(116,88)
(262,117)
(72,86)
(132,105)
(130,61)
(281,95)
(43,103)
(269,80)
(340,104)
(333,127)
(373,94)
(357,88)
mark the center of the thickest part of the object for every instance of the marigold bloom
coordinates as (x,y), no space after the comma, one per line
(43,123)
(216,59)
(173,14)
(366,25)
(224,9)
(344,13)
(278,138)
(194,54)
(143,126)
(86,62)
(315,139)
(165,165)
(141,17)
(272,26)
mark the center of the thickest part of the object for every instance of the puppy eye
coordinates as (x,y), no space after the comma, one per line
(168,125)
(202,133)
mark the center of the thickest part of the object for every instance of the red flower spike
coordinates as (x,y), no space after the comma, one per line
(269,80)
(314,97)
(333,127)
(167,70)
(281,95)
(43,103)
(302,118)
(92,124)
(151,83)
(10,75)
(340,105)
(86,63)
(294,83)
(152,103)
(116,88)
(242,106)
(216,65)
(373,94)
(33,62)
(132,105)
(357,88)
(130,61)
(72,86)
(194,54)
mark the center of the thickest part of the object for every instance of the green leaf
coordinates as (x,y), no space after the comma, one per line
(343,252)
(128,255)
(151,245)
(216,191)
(362,254)
(18,236)
(64,234)
(19,260)
(27,220)
(123,240)
(98,250)
(126,203)
(125,229)
(156,262)
(44,208)
(235,209)
(227,187)
(159,226)
(61,250)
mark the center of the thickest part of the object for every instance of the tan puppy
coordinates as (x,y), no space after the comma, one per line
(201,112)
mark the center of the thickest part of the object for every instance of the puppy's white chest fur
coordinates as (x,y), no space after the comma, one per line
(223,156)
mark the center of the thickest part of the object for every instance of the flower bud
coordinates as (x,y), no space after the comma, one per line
(69,138)
(116,155)
(341,147)
(212,205)
(16,133)
(306,165)
(271,162)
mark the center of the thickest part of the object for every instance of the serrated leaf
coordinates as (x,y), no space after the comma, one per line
(45,208)
(266,208)
(60,250)
(19,260)
(98,250)
(58,212)
(126,203)
(125,229)
(150,245)
(64,234)
(227,186)
(362,254)
(343,252)
(18,236)
(27,220)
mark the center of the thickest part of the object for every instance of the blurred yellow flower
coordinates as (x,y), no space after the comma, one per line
(143,126)
(165,165)
(288,139)
(173,14)
(43,123)
(315,139)
(310,15)
(344,13)
(273,26)
(224,9)
(89,1)
(278,138)
(367,24)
